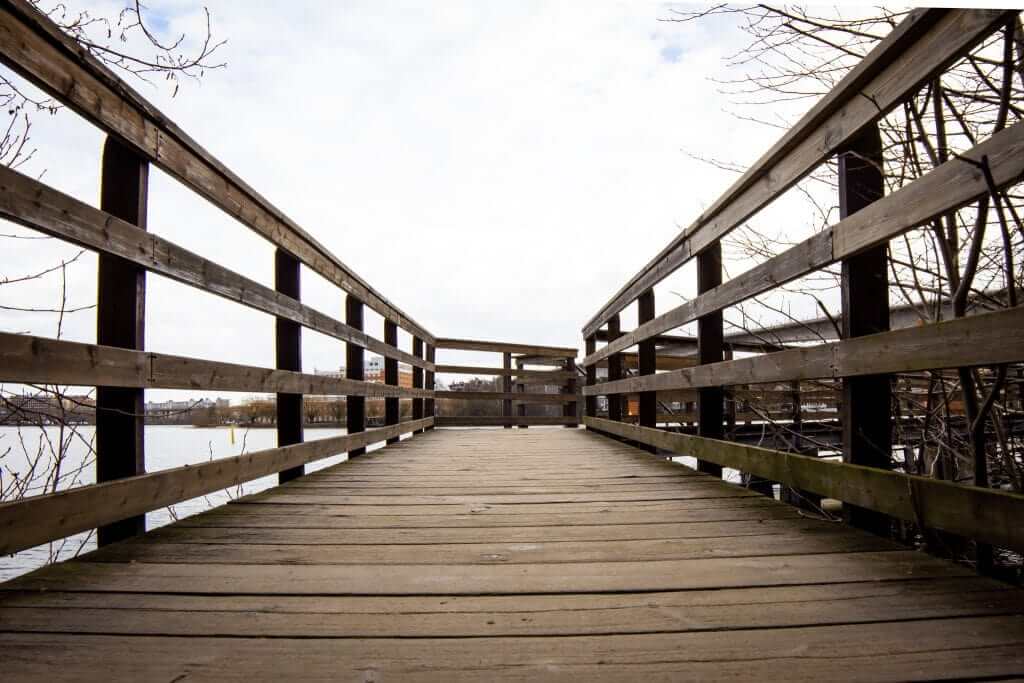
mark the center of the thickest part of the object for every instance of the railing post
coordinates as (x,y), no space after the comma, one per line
(506,386)
(120,321)
(710,413)
(417,381)
(288,351)
(590,402)
(521,388)
(569,409)
(867,427)
(647,364)
(391,404)
(428,404)
(355,406)
(614,370)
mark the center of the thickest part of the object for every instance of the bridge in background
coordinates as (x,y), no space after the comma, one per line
(541,550)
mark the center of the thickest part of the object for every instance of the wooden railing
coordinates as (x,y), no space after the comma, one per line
(516,386)
(118,364)
(842,125)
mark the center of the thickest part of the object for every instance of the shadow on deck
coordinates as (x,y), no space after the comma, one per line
(514,554)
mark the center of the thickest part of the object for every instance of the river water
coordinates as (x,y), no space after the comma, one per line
(166,447)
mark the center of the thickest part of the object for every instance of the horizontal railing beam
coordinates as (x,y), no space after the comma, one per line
(954,184)
(509,372)
(513,396)
(502,347)
(986,514)
(985,339)
(38,50)
(32,521)
(39,360)
(501,421)
(919,48)
(42,208)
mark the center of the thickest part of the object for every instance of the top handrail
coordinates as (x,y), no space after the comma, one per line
(923,44)
(37,49)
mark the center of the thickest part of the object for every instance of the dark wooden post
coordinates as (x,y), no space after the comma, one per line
(288,349)
(428,404)
(506,386)
(710,413)
(391,416)
(569,409)
(355,408)
(867,428)
(647,363)
(614,370)
(521,388)
(417,381)
(590,402)
(120,321)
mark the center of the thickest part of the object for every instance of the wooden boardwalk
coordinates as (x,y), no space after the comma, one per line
(513,554)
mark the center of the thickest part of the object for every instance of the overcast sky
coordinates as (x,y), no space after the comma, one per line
(497,170)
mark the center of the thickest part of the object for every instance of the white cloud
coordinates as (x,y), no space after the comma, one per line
(497,171)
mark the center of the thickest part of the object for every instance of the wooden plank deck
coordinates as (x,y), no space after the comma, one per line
(508,554)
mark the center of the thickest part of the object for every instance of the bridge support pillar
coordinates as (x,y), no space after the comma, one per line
(120,321)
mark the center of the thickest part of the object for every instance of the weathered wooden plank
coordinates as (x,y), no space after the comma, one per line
(475,616)
(538,552)
(990,515)
(697,489)
(37,49)
(503,347)
(977,340)
(483,579)
(31,521)
(948,187)
(920,47)
(37,206)
(24,358)
(986,647)
(303,536)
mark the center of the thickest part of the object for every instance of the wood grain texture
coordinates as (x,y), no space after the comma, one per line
(971,341)
(25,358)
(28,522)
(991,515)
(507,554)
(948,187)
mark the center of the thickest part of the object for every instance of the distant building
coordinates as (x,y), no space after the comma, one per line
(168,408)
(373,371)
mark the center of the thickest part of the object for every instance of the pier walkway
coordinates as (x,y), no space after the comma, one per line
(513,554)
